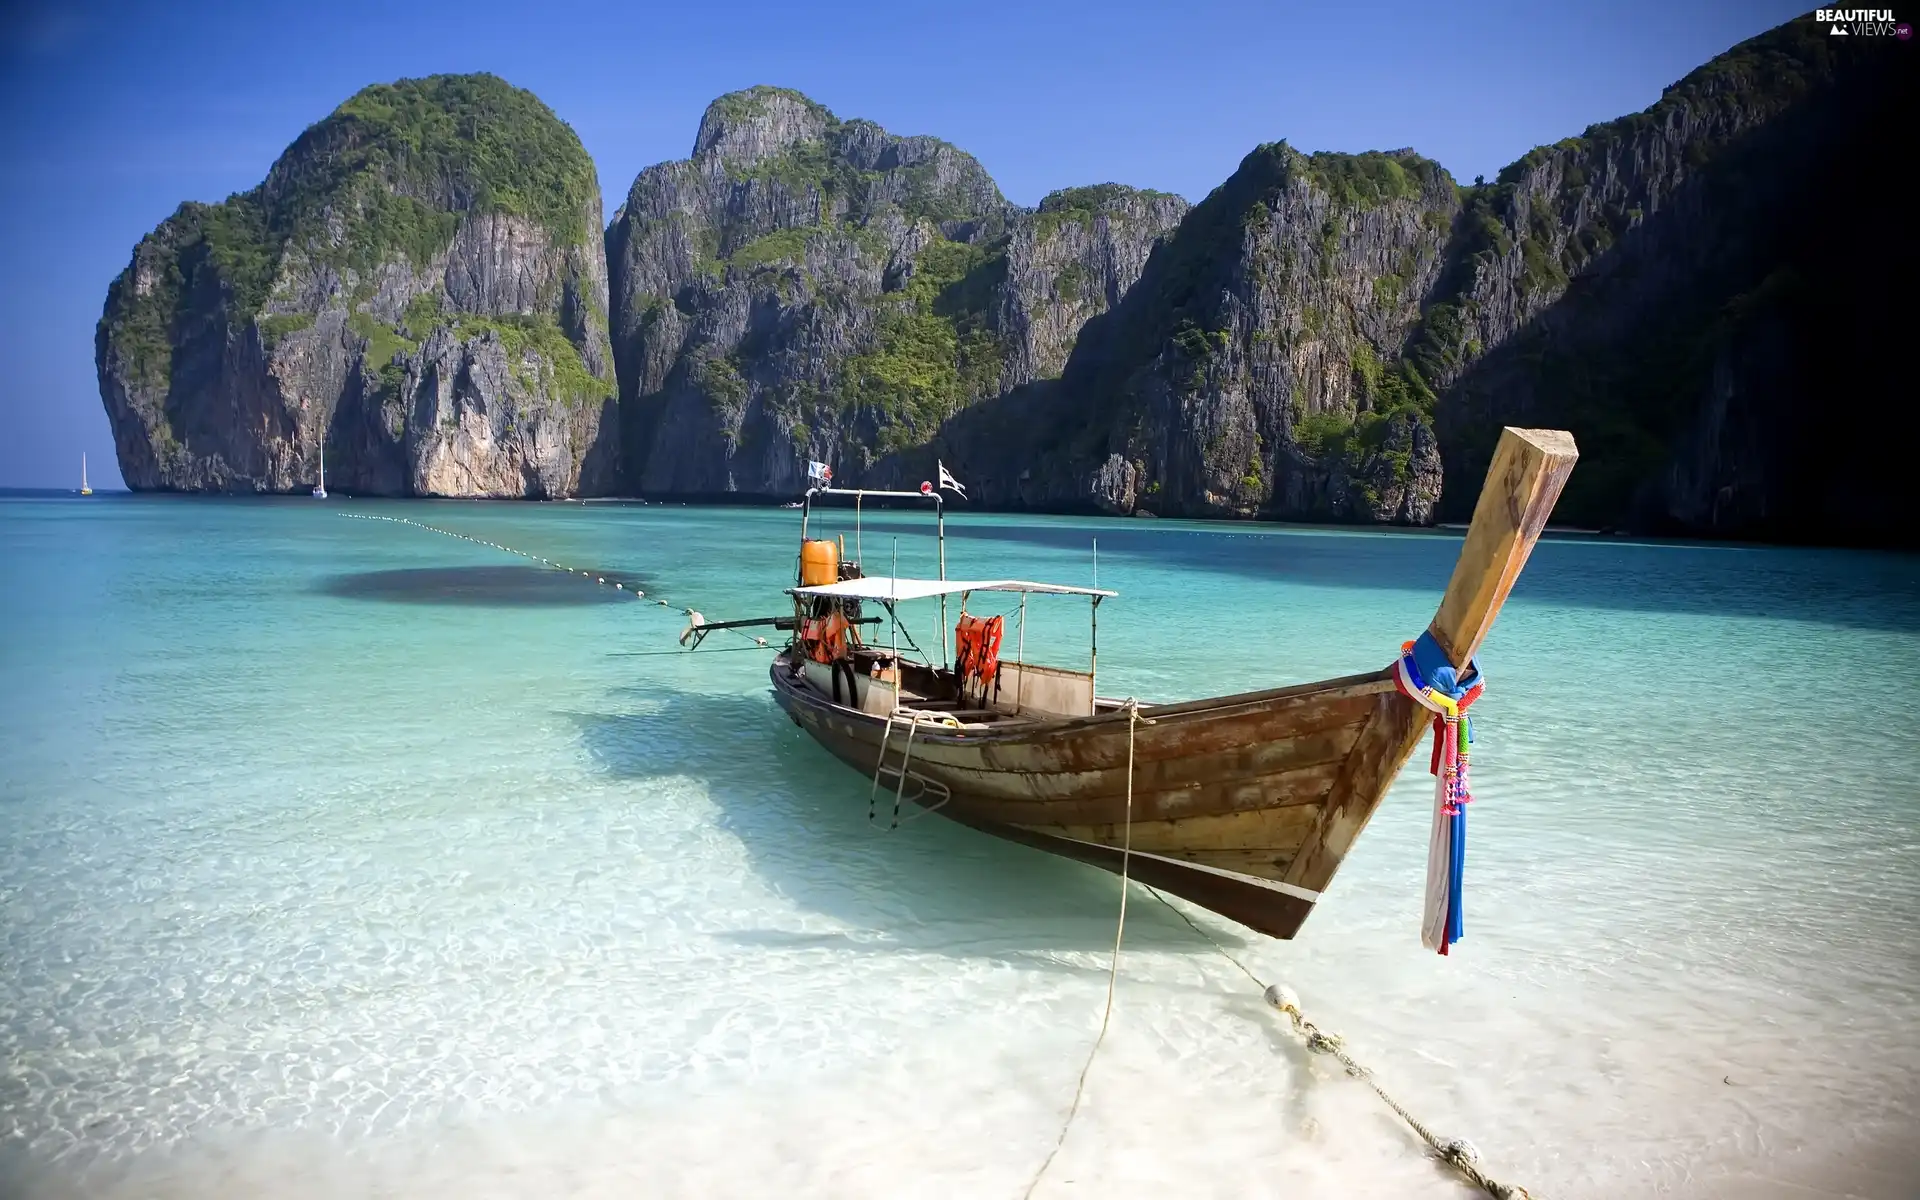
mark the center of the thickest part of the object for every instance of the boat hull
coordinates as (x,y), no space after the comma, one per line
(1231,799)
(1245,804)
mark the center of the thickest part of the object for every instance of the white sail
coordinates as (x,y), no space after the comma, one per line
(85,490)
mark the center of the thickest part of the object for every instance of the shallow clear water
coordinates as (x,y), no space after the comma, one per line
(340,857)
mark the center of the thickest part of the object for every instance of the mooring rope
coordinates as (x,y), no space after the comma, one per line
(1113,966)
(692,615)
(1455,1152)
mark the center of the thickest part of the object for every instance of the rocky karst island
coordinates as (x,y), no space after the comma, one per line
(423,286)
(418,286)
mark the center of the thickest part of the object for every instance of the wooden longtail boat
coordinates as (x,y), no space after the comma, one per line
(1243,804)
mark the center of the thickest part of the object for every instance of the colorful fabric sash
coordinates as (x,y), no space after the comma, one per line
(1425,675)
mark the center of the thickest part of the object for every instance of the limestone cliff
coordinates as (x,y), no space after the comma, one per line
(808,288)
(1243,374)
(418,285)
(1701,292)
(1334,335)
(1698,291)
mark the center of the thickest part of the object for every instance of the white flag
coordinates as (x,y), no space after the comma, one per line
(820,471)
(947,481)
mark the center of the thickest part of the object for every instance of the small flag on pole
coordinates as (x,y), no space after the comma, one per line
(820,471)
(948,482)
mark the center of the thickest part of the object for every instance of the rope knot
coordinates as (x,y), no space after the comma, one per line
(1324,1043)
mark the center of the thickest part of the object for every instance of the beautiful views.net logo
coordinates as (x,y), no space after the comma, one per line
(1862,22)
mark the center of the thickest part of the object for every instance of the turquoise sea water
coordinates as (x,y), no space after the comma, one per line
(340,857)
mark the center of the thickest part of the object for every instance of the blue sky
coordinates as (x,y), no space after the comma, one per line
(111,116)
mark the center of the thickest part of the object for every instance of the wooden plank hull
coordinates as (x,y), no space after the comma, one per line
(1226,794)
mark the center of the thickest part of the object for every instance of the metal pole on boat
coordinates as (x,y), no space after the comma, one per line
(893,627)
(857,498)
(806,513)
(940,516)
(1020,689)
(1093,660)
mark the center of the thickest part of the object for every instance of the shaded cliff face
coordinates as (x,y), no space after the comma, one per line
(417,285)
(1336,336)
(1689,289)
(806,288)
(1245,373)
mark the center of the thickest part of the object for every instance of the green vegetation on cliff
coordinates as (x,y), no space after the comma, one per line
(748,103)
(778,246)
(385,176)
(935,352)
(448,143)
(822,168)
(1083,205)
(837,167)
(540,354)
(1364,181)
(810,165)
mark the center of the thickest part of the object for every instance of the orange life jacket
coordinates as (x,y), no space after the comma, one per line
(828,635)
(976,642)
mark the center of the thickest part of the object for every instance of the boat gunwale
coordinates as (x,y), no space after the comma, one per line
(1378,682)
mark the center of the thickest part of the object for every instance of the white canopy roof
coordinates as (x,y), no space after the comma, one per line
(886,587)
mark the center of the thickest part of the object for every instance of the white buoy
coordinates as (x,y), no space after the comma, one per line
(1460,1150)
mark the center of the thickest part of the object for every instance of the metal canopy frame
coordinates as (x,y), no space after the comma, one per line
(859,495)
(887,587)
(1024,587)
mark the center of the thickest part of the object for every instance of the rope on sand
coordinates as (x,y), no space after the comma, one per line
(1457,1153)
(1113,967)
(692,615)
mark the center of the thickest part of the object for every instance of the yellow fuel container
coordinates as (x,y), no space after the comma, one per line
(819,563)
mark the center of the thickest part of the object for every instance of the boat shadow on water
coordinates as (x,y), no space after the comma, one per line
(476,586)
(930,885)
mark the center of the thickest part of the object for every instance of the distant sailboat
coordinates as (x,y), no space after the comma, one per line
(84,489)
(320,493)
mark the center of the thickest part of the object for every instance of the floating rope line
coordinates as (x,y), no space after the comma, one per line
(692,614)
(1113,966)
(1457,1153)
